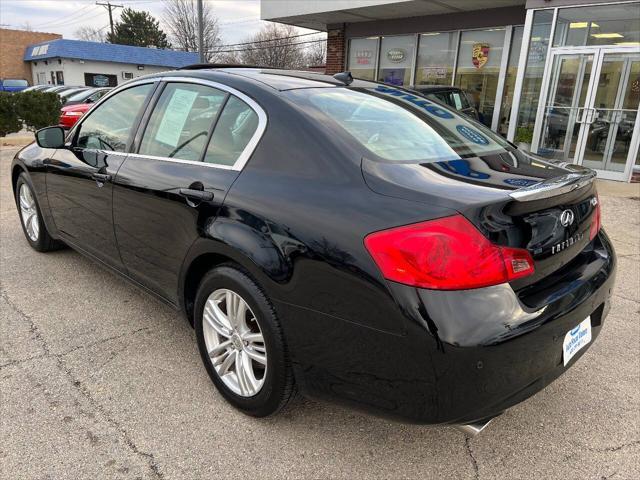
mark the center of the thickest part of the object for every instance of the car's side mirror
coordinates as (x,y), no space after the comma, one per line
(50,137)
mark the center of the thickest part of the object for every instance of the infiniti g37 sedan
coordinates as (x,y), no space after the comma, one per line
(346,239)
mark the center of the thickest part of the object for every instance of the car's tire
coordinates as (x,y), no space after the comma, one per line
(35,231)
(260,389)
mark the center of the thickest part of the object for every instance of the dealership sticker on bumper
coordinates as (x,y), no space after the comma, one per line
(575,339)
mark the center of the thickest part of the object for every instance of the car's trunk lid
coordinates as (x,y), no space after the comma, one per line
(515,200)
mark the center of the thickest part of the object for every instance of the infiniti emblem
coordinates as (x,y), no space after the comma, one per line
(566,218)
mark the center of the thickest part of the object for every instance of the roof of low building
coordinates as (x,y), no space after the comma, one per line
(108,52)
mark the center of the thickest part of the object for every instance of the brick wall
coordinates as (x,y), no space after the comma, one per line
(335,51)
(13,44)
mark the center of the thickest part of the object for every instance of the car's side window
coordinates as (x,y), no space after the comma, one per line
(235,128)
(110,125)
(181,121)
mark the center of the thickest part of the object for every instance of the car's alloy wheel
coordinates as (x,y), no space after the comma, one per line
(29,213)
(241,342)
(234,342)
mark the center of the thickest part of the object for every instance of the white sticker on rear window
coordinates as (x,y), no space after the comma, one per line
(175,116)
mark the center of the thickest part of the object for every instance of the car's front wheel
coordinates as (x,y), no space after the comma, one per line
(33,226)
(241,342)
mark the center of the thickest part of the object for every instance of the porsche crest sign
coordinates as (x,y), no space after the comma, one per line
(480,54)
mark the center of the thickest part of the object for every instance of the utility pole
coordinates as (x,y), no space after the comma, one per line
(201,32)
(110,7)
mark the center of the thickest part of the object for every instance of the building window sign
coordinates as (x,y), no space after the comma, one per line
(396,55)
(363,53)
(100,80)
(480,54)
(364,57)
(396,59)
(436,57)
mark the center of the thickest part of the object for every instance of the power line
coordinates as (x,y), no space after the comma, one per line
(62,19)
(110,8)
(267,46)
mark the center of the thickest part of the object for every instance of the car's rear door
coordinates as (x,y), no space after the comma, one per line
(192,144)
(79,178)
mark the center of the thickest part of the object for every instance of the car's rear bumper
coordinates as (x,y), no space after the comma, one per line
(462,357)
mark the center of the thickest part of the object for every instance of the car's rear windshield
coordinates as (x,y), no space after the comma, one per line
(15,83)
(81,95)
(396,125)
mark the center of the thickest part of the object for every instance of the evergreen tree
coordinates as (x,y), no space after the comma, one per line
(140,29)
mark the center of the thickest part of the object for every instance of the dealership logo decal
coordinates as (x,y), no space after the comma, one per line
(480,54)
(396,55)
(472,135)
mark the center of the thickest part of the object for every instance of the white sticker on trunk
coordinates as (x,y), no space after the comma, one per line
(576,339)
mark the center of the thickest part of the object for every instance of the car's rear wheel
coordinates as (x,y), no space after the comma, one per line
(241,342)
(33,226)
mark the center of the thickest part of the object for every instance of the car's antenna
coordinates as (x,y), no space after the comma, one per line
(344,77)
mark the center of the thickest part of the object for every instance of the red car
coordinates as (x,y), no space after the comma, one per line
(70,114)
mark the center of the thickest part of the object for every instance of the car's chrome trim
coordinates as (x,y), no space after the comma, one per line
(246,153)
(554,186)
(188,162)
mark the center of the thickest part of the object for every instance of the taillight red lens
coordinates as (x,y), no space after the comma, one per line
(445,254)
(596,223)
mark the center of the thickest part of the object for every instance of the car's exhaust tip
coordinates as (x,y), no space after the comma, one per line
(474,429)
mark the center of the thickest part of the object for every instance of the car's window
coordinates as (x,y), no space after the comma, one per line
(79,95)
(15,83)
(180,123)
(444,97)
(109,126)
(96,96)
(235,128)
(396,125)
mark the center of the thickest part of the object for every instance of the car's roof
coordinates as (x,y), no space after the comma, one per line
(275,78)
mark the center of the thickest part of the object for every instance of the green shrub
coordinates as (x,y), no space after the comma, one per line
(38,109)
(524,135)
(9,121)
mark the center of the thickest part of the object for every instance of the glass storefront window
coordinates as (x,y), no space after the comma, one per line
(396,59)
(363,53)
(510,80)
(598,25)
(479,68)
(436,56)
(532,81)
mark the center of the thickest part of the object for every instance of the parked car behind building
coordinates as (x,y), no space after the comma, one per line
(13,85)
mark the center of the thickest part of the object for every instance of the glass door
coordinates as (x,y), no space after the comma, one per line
(611,116)
(564,106)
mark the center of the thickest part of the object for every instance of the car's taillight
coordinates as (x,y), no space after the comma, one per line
(73,114)
(445,254)
(596,223)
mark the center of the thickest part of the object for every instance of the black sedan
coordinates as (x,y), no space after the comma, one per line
(86,95)
(347,239)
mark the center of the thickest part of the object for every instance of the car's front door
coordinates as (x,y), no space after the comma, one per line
(166,194)
(79,177)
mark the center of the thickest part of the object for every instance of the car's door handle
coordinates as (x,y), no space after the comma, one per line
(199,195)
(101,177)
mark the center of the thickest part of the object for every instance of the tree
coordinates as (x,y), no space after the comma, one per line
(316,52)
(181,20)
(140,29)
(90,34)
(273,47)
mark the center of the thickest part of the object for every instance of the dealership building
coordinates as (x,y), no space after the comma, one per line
(76,62)
(559,77)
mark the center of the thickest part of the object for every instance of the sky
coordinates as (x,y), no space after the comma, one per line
(238,19)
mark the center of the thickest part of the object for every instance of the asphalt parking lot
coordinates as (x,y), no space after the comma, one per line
(99,380)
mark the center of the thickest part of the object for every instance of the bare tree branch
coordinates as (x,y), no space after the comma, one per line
(90,34)
(275,48)
(181,20)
